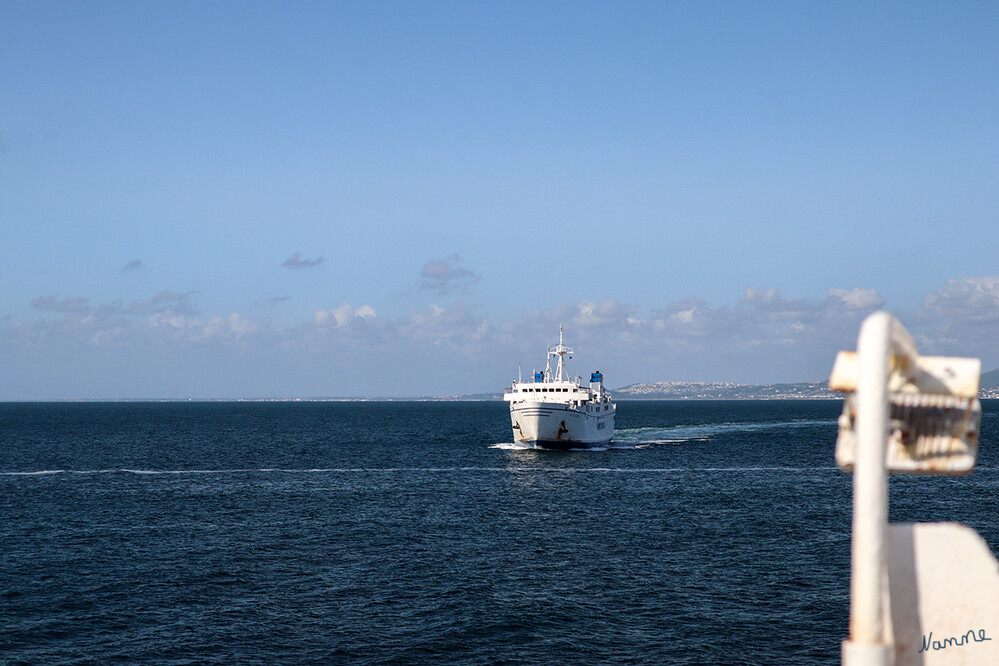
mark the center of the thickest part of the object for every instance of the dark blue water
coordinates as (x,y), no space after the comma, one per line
(374,533)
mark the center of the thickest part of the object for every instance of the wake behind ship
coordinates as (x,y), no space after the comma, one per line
(555,412)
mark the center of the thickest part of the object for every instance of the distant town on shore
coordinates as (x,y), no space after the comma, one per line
(989,388)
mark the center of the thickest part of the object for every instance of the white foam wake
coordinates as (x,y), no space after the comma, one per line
(523,446)
(640,438)
(682,433)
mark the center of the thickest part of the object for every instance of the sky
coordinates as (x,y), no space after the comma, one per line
(297,199)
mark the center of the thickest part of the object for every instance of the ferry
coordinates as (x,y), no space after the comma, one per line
(553,411)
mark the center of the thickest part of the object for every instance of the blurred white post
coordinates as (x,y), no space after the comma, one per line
(921,594)
(867,645)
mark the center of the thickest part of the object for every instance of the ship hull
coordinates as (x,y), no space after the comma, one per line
(547,425)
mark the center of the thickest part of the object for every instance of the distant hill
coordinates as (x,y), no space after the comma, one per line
(724,391)
(990,380)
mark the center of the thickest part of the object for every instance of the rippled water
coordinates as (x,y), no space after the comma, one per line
(375,533)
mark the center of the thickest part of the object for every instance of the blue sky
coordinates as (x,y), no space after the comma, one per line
(305,199)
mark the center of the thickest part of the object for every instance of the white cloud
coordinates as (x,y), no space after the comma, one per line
(273,300)
(166,316)
(858,299)
(960,319)
(444,275)
(583,318)
(164,301)
(455,327)
(762,336)
(969,300)
(685,316)
(193,330)
(53,303)
(296,260)
(343,315)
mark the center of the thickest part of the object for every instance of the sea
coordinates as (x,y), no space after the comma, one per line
(419,533)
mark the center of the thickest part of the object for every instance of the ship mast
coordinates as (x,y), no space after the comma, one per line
(559,351)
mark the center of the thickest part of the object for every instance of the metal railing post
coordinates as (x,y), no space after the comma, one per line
(912,414)
(867,645)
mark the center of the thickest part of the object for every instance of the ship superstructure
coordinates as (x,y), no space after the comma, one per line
(553,411)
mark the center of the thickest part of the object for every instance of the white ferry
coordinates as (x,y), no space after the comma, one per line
(555,412)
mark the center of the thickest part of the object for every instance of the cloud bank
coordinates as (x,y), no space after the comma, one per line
(296,261)
(762,336)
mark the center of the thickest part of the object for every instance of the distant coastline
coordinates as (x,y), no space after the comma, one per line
(647,391)
(641,391)
(725,391)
